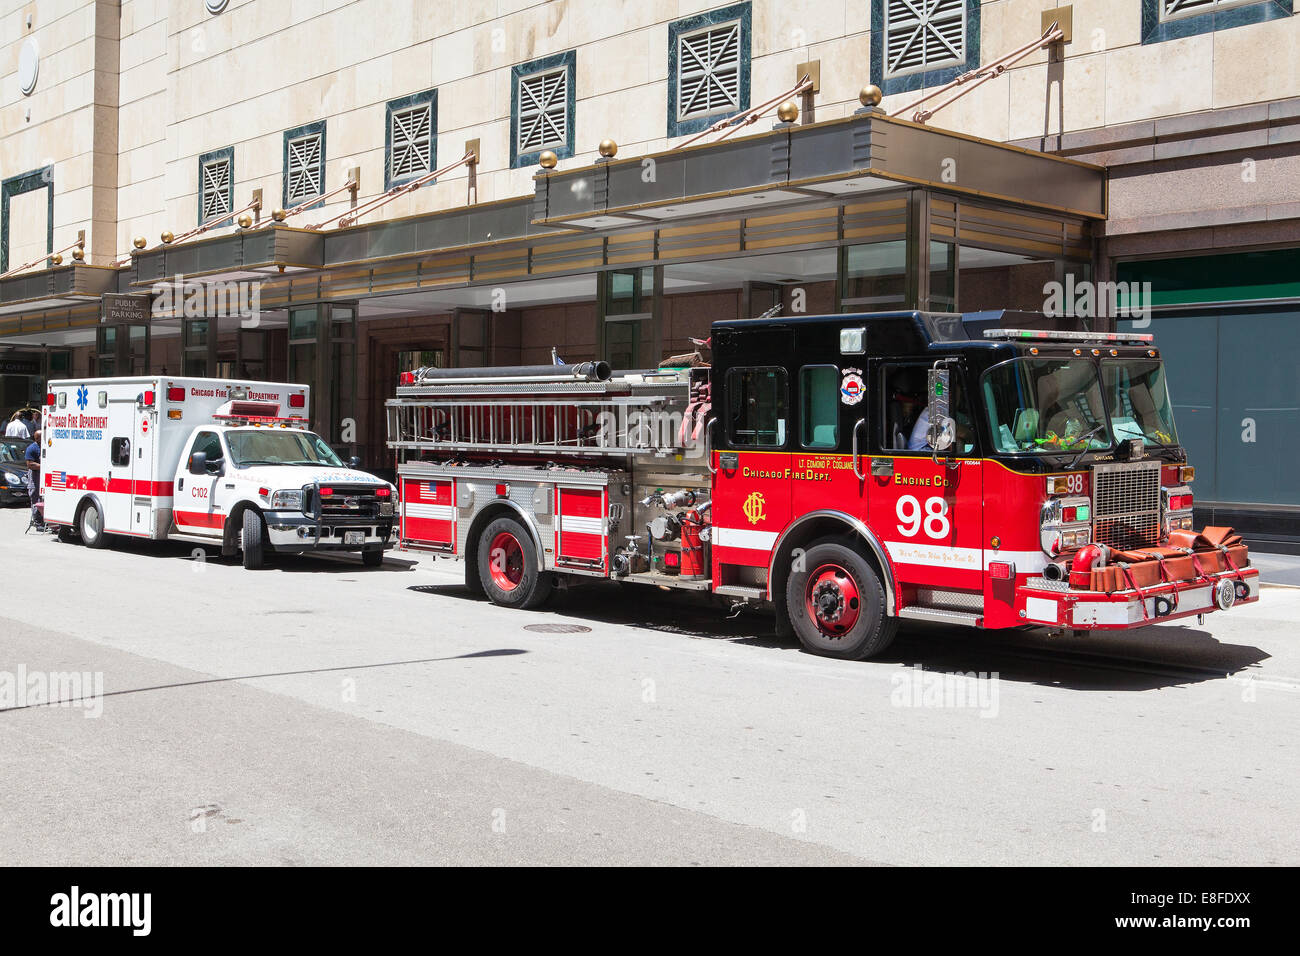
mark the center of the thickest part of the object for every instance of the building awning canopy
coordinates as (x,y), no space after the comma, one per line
(866,152)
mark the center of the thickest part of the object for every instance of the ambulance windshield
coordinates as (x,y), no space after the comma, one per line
(262,446)
(1057,405)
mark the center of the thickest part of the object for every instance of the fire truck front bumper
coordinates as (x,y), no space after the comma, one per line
(293,532)
(1055,604)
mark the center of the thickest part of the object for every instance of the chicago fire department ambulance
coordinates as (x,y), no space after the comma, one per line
(852,470)
(211,461)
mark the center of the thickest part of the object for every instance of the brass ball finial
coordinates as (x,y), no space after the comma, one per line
(139,242)
(57,259)
(245,221)
(870,95)
(78,254)
(608,148)
(279,215)
(167,236)
(788,111)
(548,159)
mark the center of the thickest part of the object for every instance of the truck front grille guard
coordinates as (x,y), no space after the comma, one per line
(1126,504)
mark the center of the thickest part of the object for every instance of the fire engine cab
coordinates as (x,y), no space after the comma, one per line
(211,461)
(850,470)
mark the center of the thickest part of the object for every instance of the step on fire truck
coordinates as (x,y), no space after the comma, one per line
(850,470)
(210,461)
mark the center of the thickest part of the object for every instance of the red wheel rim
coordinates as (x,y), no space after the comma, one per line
(506,561)
(833,600)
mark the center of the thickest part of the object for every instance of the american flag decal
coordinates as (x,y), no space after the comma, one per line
(58,481)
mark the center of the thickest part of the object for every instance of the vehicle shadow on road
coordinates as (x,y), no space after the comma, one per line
(288,563)
(1144,659)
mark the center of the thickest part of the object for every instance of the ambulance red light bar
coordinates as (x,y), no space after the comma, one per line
(175,394)
(148,397)
(1054,335)
(297,401)
(50,399)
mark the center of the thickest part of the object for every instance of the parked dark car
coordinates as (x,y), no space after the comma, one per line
(13,465)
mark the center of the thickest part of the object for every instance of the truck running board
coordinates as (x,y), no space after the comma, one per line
(941,615)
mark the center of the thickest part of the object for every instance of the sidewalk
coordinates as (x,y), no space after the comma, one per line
(1277,568)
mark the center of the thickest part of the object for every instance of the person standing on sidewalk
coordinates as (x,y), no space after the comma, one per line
(33,477)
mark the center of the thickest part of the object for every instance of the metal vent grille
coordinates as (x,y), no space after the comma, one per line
(924,34)
(708,71)
(543,110)
(305,168)
(216,188)
(1177,9)
(412,141)
(1126,504)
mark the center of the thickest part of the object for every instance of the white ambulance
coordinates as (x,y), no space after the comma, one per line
(228,463)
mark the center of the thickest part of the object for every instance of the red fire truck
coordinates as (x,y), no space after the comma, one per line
(849,470)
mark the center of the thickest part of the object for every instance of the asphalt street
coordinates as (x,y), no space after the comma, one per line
(317,713)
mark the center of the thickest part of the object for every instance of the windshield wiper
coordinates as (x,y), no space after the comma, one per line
(1083,438)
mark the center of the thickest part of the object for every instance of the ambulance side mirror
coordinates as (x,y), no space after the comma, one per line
(943,430)
(199,463)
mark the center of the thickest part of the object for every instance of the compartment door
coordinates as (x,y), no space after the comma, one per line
(428,516)
(580,531)
(143,490)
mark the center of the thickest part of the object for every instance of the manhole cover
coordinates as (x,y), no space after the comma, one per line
(557,628)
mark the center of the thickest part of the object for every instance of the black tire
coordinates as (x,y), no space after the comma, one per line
(253,541)
(849,621)
(516,580)
(90,525)
(372,559)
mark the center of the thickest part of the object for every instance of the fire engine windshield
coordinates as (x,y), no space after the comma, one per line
(262,446)
(1138,399)
(1046,405)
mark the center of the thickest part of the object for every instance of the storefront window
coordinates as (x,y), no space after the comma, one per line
(874,277)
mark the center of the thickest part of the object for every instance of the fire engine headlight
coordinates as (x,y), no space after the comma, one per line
(291,498)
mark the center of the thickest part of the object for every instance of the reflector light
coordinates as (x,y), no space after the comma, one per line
(175,394)
(264,492)
(1001,570)
(671,559)
(1180,502)
(1068,514)
(383,492)
(1186,473)
(406,378)
(503,491)
(175,414)
(297,401)
(326,492)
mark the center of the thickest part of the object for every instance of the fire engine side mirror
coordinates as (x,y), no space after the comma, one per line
(199,463)
(943,430)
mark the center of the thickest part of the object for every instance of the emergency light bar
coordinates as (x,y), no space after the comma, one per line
(1041,334)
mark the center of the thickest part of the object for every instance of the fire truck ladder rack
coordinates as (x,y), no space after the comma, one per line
(624,416)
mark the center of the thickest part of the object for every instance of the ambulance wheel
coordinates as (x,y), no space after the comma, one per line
(372,559)
(836,603)
(508,566)
(253,541)
(90,524)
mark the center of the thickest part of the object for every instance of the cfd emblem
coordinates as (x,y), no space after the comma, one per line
(852,388)
(753,508)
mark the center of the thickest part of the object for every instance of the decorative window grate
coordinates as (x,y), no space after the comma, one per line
(306,169)
(925,34)
(1177,9)
(543,120)
(215,188)
(412,141)
(708,71)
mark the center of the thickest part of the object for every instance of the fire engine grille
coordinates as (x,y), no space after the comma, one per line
(1126,504)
